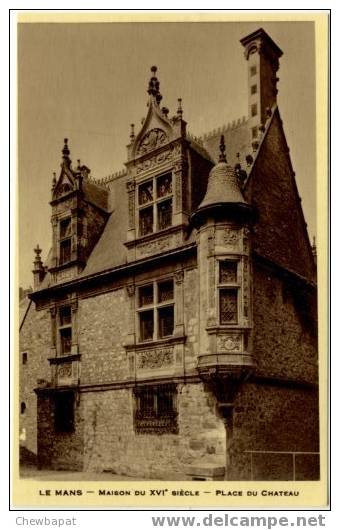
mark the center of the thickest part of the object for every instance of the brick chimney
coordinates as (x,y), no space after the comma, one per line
(263,56)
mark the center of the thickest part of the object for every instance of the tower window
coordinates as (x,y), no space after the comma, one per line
(228,288)
(253,70)
(253,89)
(24,358)
(254,133)
(156,310)
(22,407)
(155,204)
(254,109)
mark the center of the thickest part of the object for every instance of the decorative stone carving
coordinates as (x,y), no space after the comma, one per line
(179,276)
(228,343)
(155,358)
(230,237)
(153,161)
(211,244)
(153,139)
(74,305)
(130,289)
(64,371)
(130,186)
(154,247)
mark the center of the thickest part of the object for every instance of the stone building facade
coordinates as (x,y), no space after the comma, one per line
(171,332)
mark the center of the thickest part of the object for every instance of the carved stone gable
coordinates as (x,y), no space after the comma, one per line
(63,187)
(153,139)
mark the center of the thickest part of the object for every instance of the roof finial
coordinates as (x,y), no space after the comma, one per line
(153,88)
(37,251)
(66,150)
(222,157)
(66,153)
(132,132)
(54,180)
(179,109)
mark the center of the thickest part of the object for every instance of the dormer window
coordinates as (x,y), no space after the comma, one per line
(65,241)
(155,204)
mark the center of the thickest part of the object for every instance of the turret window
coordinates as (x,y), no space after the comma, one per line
(155,204)
(228,289)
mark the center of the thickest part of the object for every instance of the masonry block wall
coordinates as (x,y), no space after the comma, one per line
(35,340)
(269,419)
(114,446)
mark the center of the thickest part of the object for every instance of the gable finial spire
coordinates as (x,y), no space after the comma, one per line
(66,153)
(222,157)
(153,88)
(54,180)
(180,108)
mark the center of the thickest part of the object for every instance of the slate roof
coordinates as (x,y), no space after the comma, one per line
(97,195)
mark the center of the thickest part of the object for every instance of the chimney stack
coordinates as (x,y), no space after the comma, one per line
(263,56)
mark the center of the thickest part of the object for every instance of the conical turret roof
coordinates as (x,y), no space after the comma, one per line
(223,188)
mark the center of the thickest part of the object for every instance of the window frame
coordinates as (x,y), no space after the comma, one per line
(232,286)
(154,203)
(154,420)
(155,307)
(64,239)
(61,327)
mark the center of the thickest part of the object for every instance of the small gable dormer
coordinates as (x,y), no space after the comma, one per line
(79,213)
(160,168)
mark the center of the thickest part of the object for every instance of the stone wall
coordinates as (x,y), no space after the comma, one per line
(111,443)
(59,450)
(284,341)
(103,322)
(272,418)
(35,340)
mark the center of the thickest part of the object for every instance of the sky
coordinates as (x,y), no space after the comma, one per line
(88,82)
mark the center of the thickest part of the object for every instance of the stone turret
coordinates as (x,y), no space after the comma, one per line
(225,343)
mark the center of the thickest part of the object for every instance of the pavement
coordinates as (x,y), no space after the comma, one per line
(32,473)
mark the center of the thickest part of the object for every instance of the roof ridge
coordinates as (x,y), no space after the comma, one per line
(223,128)
(103,181)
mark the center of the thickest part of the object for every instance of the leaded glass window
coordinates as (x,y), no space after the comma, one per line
(228,271)
(228,306)
(228,288)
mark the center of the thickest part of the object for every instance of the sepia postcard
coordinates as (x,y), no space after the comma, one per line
(171,339)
